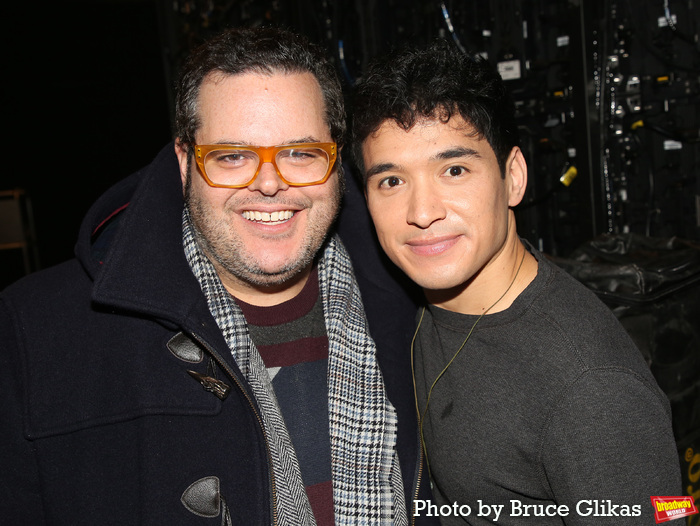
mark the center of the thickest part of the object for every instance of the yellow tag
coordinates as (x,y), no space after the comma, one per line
(569,176)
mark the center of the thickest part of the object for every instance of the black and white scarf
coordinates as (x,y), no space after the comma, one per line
(367,485)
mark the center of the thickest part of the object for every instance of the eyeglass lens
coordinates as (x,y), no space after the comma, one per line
(238,167)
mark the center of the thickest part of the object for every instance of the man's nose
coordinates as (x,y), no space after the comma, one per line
(425,206)
(268,181)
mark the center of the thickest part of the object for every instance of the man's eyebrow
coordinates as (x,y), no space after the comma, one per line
(450,153)
(454,153)
(301,140)
(380,168)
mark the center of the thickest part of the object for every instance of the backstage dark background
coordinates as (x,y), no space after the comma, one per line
(607,95)
(608,102)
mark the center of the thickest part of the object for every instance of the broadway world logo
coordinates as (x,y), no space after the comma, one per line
(671,508)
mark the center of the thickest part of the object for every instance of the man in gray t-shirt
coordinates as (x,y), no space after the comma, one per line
(535,406)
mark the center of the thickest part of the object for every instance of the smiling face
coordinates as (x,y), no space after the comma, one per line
(262,239)
(440,206)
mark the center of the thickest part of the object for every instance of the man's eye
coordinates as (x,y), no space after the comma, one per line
(455,171)
(389,182)
(233,157)
(302,154)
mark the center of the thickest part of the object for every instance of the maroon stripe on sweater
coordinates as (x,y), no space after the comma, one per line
(294,352)
(321,500)
(286,312)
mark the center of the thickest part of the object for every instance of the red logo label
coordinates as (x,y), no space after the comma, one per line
(671,508)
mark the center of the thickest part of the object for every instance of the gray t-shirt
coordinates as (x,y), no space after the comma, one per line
(548,404)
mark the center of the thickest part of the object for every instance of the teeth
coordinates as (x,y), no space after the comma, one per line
(266,217)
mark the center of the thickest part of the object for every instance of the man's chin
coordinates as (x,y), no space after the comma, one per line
(275,278)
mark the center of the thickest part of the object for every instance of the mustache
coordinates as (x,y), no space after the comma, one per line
(297,202)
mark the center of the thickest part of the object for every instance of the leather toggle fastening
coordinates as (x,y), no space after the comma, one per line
(185,349)
(203,498)
(188,350)
(212,385)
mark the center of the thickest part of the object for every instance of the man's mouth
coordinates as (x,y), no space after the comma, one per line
(268,218)
(432,246)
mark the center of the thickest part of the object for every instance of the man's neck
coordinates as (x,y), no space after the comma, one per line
(264,295)
(495,287)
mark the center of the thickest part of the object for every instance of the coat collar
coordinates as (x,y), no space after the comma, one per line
(144,269)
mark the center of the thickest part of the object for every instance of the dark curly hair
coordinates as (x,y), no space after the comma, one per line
(435,82)
(261,50)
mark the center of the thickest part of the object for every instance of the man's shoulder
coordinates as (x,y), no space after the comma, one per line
(53,292)
(57,280)
(565,298)
(579,327)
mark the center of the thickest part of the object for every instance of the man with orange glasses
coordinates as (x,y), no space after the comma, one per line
(209,356)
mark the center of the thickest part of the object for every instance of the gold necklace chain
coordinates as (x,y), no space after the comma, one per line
(430,391)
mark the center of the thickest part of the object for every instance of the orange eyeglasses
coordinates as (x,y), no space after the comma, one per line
(231,166)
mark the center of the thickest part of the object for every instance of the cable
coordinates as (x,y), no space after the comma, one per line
(343,63)
(642,36)
(450,27)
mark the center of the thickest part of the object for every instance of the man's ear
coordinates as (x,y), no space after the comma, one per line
(516,174)
(182,154)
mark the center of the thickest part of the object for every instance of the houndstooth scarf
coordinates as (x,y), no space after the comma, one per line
(367,485)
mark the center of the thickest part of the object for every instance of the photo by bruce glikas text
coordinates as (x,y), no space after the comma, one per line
(515,508)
